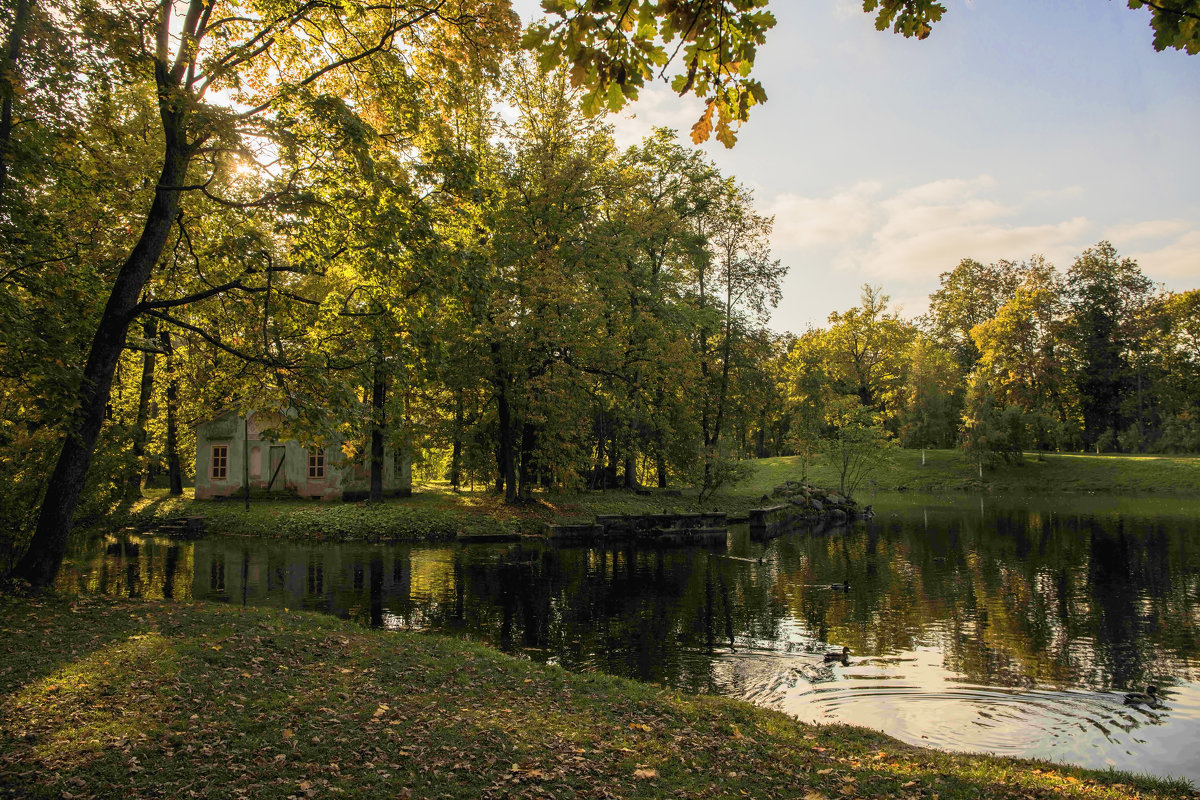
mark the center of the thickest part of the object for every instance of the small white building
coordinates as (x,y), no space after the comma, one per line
(233,449)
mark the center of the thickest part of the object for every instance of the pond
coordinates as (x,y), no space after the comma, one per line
(1010,626)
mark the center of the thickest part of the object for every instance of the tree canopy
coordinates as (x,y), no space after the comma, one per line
(387,221)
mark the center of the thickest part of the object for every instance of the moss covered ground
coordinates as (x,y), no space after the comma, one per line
(123,699)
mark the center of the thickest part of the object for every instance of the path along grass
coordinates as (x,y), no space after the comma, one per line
(121,699)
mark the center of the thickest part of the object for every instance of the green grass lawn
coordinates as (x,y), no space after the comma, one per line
(123,699)
(952,470)
(437,513)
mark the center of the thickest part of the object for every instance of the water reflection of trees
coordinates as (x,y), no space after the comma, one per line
(1017,598)
(1011,597)
(152,568)
(653,614)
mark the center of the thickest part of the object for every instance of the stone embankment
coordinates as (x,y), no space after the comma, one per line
(702,528)
(798,502)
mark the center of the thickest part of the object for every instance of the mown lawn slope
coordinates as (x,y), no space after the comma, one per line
(121,699)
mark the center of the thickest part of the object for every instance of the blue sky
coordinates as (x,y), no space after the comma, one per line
(1017,127)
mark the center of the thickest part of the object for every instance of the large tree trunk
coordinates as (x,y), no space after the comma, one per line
(704,399)
(631,446)
(8,79)
(456,454)
(528,445)
(508,468)
(504,456)
(378,401)
(133,484)
(174,468)
(723,389)
(41,561)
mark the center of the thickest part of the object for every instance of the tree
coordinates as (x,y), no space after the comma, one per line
(269,63)
(737,283)
(1021,352)
(806,390)
(866,354)
(613,53)
(1106,296)
(857,444)
(930,416)
(969,295)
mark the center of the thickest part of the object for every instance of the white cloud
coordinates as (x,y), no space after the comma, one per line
(847,9)
(1148,229)
(1177,261)
(906,251)
(916,233)
(813,221)
(902,238)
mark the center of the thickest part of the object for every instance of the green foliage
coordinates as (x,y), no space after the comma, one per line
(907,17)
(555,311)
(1106,297)
(612,50)
(932,402)
(857,445)
(1176,23)
(721,471)
(967,296)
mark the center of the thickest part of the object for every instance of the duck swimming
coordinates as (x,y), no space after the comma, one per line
(843,656)
(840,587)
(1150,697)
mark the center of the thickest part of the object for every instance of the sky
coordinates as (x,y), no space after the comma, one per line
(1019,127)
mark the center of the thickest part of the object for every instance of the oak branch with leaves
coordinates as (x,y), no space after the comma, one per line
(707,47)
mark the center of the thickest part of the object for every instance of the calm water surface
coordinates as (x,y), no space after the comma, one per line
(1005,626)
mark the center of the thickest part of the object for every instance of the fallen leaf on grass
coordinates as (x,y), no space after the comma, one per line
(645,774)
(634,726)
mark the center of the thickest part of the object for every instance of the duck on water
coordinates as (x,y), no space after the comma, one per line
(1150,697)
(843,656)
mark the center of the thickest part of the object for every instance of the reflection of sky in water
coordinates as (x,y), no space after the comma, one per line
(913,697)
(1010,630)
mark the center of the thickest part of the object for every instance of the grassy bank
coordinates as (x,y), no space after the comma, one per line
(952,470)
(105,699)
(437,513)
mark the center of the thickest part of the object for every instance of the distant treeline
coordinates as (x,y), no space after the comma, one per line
(1010,357)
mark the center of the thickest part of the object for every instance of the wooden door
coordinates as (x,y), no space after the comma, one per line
(278,453)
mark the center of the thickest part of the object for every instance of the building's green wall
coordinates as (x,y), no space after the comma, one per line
(232,430)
